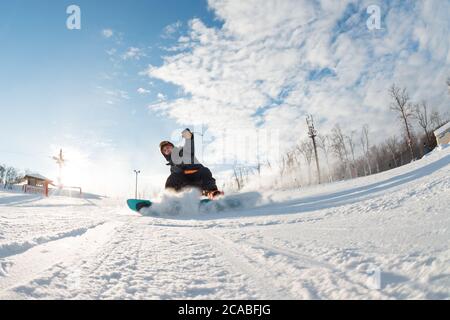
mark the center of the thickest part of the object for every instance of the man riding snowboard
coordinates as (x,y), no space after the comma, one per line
(185,170)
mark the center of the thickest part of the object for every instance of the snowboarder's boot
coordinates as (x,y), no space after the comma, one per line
(213,195)
(142,205)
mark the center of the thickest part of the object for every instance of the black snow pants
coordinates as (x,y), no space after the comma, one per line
(201,178)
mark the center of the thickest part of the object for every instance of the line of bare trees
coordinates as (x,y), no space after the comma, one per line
(347,155)
(9,176)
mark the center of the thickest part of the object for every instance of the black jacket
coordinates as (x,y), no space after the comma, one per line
(183,158)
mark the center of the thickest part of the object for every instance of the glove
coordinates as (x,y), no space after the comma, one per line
(186,134)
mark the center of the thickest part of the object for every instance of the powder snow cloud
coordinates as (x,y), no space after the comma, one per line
(272,62)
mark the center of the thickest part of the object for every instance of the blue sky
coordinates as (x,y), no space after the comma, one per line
(57,84)
(139,71)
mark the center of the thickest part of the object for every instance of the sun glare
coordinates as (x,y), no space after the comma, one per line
(74,167)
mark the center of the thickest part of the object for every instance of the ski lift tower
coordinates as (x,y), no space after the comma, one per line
(61,162)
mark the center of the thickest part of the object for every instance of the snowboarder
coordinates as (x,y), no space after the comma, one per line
(185,169)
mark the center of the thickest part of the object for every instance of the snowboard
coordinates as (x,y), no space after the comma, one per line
(138,204)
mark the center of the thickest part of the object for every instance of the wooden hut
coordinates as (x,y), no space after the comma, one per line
(36,183)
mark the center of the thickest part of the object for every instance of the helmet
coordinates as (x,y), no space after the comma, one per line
(165,143)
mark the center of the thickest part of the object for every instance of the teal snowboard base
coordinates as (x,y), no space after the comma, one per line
(137,204)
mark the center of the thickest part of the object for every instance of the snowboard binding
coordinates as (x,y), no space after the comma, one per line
(213,195)
(142,205)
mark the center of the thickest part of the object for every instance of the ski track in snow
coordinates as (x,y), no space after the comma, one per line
(322,242)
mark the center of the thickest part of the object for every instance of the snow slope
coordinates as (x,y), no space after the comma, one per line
(381,237)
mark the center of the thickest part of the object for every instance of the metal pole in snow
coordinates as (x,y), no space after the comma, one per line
(136,190)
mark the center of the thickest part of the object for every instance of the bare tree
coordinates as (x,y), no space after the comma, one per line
(307,149)
(339,148)
(11,176)
(351,145)
(323,142)
(436,119)
(365,145)
(291,159)
(238,176)
(401,104)
(421,114)
(376,152)
(268,164)
(283,165)
(288,163)
(258,159)
(392,145)
(448,84)
(2,173)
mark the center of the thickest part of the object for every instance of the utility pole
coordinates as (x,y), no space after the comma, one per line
(136,190)
(312,133)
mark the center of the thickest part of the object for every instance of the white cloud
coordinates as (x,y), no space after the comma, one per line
(274,61)
(114,97)
(143,91)
(111,52)
(133,53)
(161,97)
(107,33)
(170,30)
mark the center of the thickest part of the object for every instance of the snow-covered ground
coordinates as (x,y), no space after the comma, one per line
(380,237)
